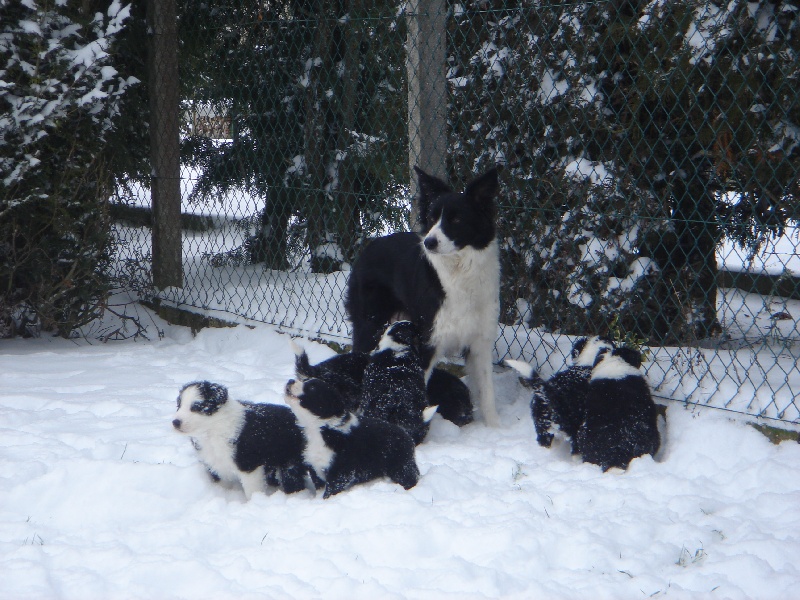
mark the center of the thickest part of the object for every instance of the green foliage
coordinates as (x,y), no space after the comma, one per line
(627,338)
(313,92)
(635,136)
(58,102)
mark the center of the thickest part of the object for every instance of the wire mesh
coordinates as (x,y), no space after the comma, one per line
(649,155)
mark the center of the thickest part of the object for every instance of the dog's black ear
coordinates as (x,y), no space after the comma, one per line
(600,357)
(578,347)
(406,333)
(483,189)
(430,188)
(214,392)
(630,355)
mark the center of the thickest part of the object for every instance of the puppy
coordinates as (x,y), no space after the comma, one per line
(446,281)
(621,419)
(393,388)
(561,400)
(451,396)
(343,449)
(242,442)
(344,372)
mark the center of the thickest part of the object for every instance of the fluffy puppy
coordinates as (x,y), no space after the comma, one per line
(561,400)
(242,442)
(621,419)
(394,388)
(451,396)
(344,372)
(344,449)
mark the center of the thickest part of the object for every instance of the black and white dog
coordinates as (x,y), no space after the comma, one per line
(621,420)
(344,449)
(394,382)
(242,442)
(561,400)
(447,282)
(345,372)
(451,397)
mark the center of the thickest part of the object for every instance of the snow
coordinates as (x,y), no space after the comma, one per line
(101,499)
(551,87)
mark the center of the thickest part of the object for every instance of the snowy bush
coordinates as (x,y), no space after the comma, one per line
(59,98)
(620,126)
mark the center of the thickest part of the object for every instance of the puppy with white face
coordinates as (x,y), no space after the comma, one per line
(561,400)
(242,442)
(621,420)
(394,388)
(343,449)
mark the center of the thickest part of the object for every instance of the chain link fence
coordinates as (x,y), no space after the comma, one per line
(649,155)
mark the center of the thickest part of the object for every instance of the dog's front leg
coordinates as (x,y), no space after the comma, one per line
(254,481)
(481,385)
(338,481)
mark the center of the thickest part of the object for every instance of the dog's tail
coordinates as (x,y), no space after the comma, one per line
(531,378)
(428,413)
(302,367)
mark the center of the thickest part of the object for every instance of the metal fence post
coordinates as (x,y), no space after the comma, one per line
(427,91)
(165,142)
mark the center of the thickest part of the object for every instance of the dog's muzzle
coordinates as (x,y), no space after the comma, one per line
(294,388)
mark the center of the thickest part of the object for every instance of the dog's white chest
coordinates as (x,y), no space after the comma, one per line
(317,454)
(471,307)
(217,454)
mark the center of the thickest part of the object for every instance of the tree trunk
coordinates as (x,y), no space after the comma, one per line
(269,246)
(346,219)
(316,141)
(693,260)
(427,93)
(165,143)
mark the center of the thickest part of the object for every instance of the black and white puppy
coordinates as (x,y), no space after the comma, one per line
(344,449)
(451,396)
(446,281)
(394,387)
(242,442)
(561,400)
(621,419)
(345,372)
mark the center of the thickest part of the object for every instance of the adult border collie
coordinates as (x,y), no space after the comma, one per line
(447,282)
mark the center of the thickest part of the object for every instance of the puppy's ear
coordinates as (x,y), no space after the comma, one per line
(578,347)
(214,392)
(600,357)
(483,189)
(430,188)
(630,355)
(406,333)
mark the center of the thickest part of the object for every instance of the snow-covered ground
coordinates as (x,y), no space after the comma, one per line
(101,499)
